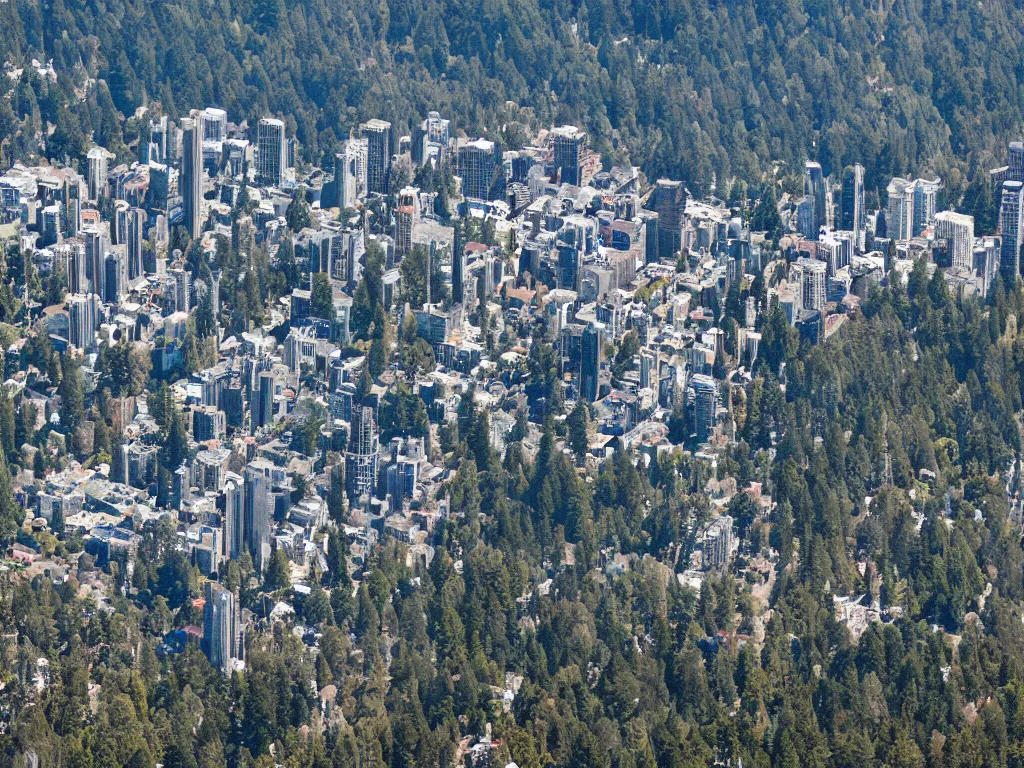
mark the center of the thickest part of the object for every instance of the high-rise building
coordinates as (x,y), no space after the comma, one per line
(136,224)
(705,405)
(809,279)
(718,543)
(459,265)
(407,213)
(271,149)
(476,167)
(215,124)
(97,159)
(361,457)
(192,175)
(95,251)
(83,319)
(957,229)
(350,172)
(378,155)
(1011,224)
(899,211)
(436,138)
(232,509)
(259,511)
(263,400)
(852,214)
(668,199)
(591,342)
(814,188)
(221,635)
(569,146)
(1015,169)
(926,195)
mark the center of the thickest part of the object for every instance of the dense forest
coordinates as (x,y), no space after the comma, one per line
(692,89)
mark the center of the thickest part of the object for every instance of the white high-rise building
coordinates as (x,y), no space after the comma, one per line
(98,158)
(350,172)
(899,211)
(957,229)
(808,276)
(192,175)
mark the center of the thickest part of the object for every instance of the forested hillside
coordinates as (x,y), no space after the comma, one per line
(686,88)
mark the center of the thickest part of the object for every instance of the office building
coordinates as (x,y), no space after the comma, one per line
(814,189)
(957,229)
(231,505)
(221,634)
(192,175)
(136,223)
(83,319)
(569,144)
(476,167)
(271,152)
(668,199)
(853,213)
(361,457)
(459,266)
(407,213)
(263,400)
(1015,168)
(259,512)
(592,342)
(1011,223)
(705,405)
(377,134)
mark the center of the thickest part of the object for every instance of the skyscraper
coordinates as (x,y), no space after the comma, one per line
(459,265)
(259,511)
(215,124)
(591,344)
(97,173)
(221,635)
(957,229)
(136,223)
(1011,223)
(271,148)
(83,317)
(899,211)
(361,457)
(808,276)
(705,405)
(378,155)
(852,214)
(407,212)
(436,137)
(569,145)
(350,172)
(192,175)
(669,200)
(476,167)
(926,195)
(814,188)
(1015,169)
